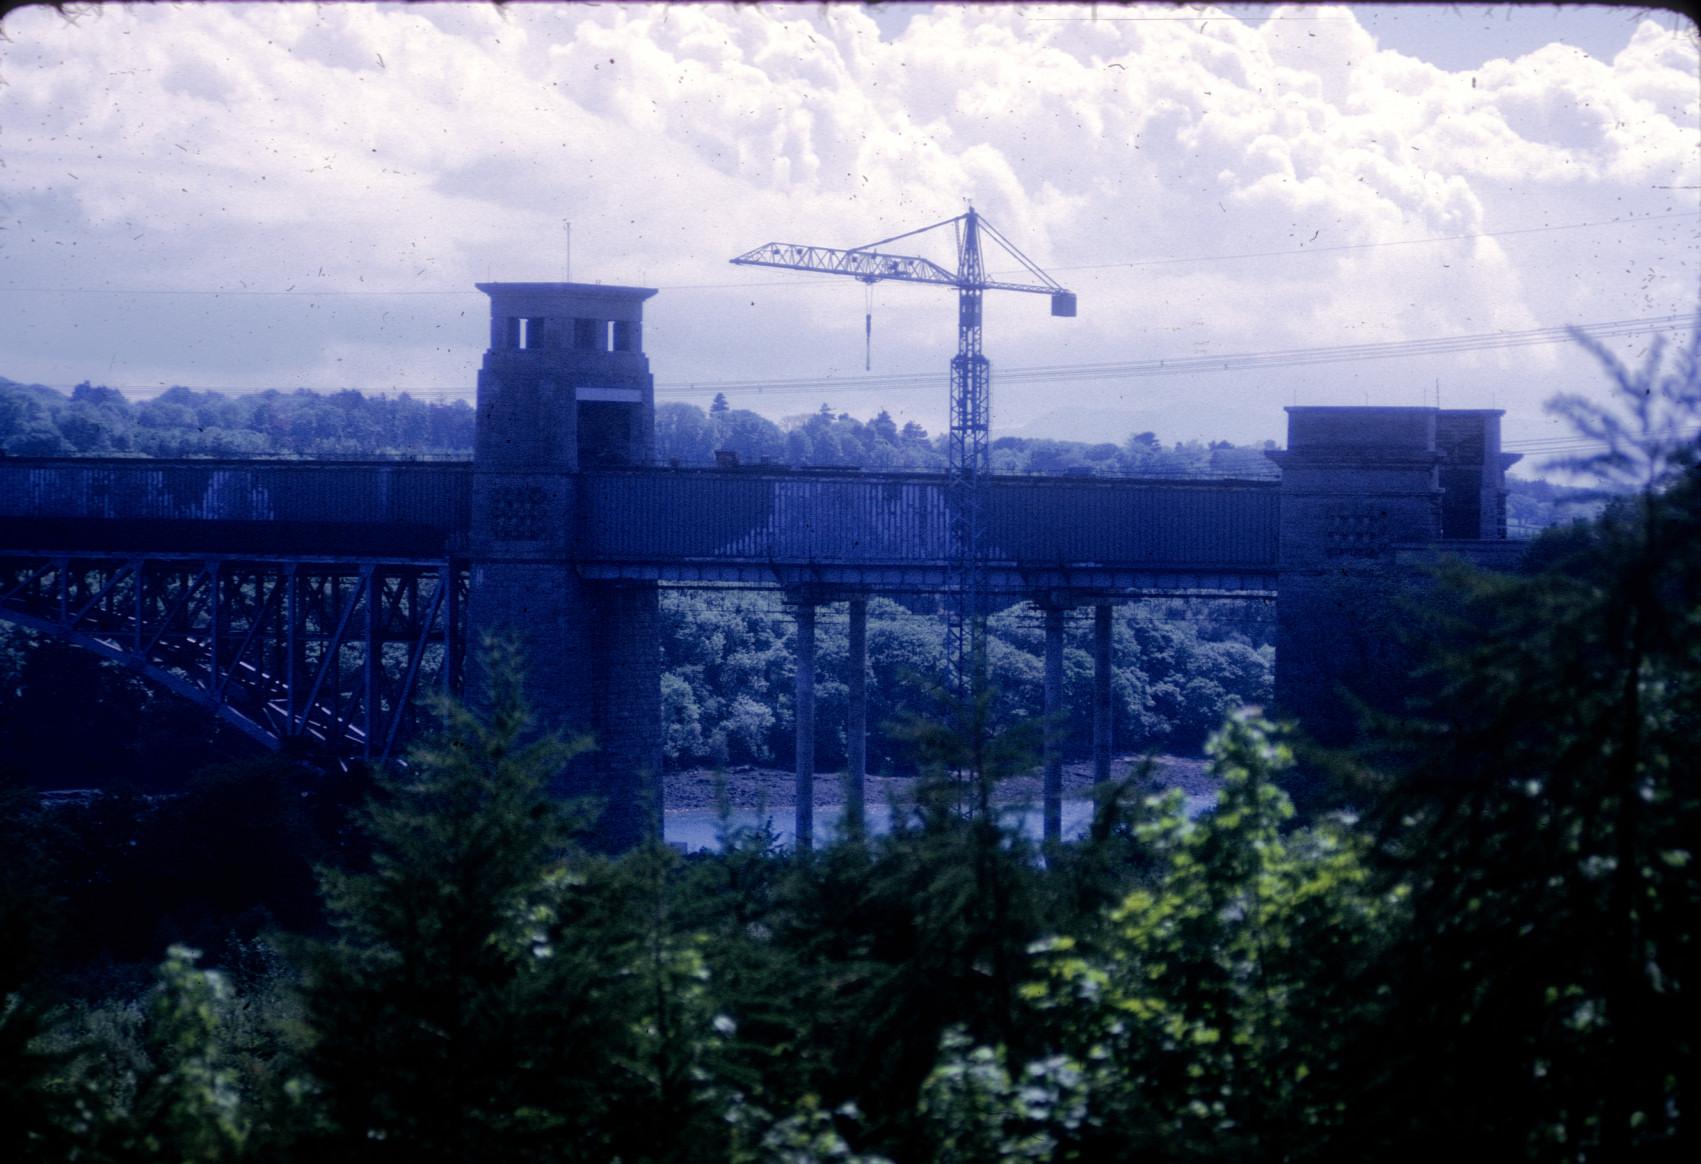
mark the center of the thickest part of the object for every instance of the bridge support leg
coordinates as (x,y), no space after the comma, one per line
(856,717)
(1054,725)
(1101,694)
(804,704)
(625,699)
(292,644)
(374,669)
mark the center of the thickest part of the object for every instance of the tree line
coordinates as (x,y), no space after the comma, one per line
(1484,948)
(828,438)
(93,420)
(36,421)
(728,664)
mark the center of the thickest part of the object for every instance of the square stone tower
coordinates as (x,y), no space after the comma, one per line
(566,387)
(1369,496)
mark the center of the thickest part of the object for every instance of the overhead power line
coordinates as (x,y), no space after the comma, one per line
(1243,361)
(825,281)
(1134,369)
(1396,242)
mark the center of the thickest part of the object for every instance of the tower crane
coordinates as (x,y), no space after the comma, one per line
(968,455)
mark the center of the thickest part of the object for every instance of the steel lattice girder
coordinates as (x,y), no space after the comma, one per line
(322,655)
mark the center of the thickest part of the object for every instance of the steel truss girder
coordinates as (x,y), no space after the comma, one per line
(323,656)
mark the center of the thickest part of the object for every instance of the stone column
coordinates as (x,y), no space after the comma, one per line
(1054,724)
(804,705)
(1101,693)
(856,717)
(625,638)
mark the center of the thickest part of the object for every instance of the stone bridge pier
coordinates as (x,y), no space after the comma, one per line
(1054,606)
(565,385)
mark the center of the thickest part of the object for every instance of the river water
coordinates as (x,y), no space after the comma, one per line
(700,828)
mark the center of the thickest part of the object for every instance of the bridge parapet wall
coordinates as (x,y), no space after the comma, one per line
(893,519)
(229,506)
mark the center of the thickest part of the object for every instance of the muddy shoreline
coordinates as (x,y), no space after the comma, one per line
(751,787)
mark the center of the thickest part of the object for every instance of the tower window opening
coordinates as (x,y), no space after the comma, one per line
(590,335)
(623,336)
(530,333)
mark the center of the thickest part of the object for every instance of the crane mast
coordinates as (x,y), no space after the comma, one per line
(968,446)
(968,463)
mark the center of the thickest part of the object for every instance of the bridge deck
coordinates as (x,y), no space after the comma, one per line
(750,526)
(892,530)
(284,508)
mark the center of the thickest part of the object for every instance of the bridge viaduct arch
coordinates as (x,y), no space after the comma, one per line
(310,601)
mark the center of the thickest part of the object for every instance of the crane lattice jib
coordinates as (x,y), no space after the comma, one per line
(872,266)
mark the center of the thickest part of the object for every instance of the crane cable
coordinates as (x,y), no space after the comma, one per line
(868,325)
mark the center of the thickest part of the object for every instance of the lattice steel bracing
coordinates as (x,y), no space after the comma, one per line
(320,656)
(968,452)
(968,462)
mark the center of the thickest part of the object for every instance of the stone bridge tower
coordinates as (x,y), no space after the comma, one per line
(565,385)
(1371,497)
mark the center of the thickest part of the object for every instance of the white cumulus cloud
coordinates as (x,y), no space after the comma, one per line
(1244,181)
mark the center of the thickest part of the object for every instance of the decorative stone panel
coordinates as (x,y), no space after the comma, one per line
(519,513)
(1355,529)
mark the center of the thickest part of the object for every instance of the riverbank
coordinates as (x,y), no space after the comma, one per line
(751,787)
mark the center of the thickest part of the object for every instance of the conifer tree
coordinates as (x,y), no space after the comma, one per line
(463,1009)
(30,1114)
(1546,820)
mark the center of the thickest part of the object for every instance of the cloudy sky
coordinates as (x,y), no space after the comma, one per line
(251,196)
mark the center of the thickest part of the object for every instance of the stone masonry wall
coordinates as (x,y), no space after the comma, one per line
(1365,507)
(592,652)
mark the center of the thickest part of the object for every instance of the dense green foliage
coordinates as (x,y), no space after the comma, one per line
(1544,811)
(728,666)
(1231,987)
(461,1012)
(687,435)
(36,421)
(74,720)
(182,422)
